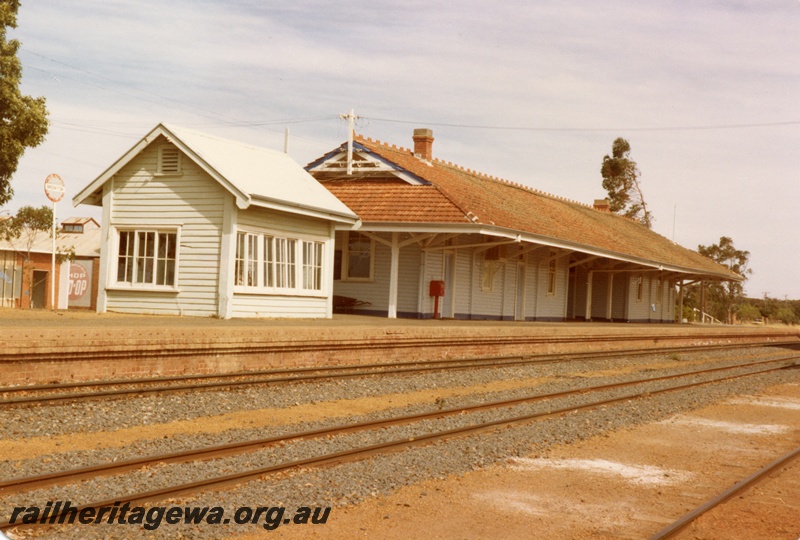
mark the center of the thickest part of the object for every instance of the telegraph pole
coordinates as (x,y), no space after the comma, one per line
(351,119)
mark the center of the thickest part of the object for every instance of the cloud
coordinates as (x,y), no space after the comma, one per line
(579,74)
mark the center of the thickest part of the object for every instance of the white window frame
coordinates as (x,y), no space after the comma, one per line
(246,265)
(346,258)
(133,272)
(313,264)
(639,289)
(489,269)
(552,274)
(269,262)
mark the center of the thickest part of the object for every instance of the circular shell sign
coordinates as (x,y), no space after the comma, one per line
(54,188)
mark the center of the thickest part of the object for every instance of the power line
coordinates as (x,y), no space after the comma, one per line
(591,130)
(217,118)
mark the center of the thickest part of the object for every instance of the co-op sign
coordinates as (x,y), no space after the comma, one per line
(80,284)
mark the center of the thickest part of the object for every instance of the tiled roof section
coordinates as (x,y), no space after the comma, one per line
(491,201)
(396,202)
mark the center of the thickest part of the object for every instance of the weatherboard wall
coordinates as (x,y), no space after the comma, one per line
(191,203)
(373,294)
(470,294)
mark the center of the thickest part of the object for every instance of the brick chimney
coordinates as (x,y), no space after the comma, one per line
(423,144)
(604,205)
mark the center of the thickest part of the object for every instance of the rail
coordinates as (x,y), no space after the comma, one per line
(25,484)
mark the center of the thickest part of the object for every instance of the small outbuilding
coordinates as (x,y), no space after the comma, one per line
(194,224)
(26,264)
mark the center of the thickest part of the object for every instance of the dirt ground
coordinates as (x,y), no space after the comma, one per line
(628,484)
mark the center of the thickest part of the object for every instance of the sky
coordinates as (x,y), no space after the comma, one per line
(706,93)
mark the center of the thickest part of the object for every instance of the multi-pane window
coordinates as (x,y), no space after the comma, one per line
(246,270)
(285,263)
(147,258)
(241,259)
(312,265)
(552,274)
(269,261)
(252,259)
(358,257)
(266,261)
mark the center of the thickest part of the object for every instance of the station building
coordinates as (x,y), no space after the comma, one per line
(198,225)
(437,240)
(203,226)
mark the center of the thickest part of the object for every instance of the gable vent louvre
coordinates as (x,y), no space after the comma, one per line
(170,160)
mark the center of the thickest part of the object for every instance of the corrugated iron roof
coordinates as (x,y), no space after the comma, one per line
(254,175)
(86,244)
(81,221)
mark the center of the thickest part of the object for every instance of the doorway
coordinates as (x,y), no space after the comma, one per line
(448,272)
(39,289)
(519,313)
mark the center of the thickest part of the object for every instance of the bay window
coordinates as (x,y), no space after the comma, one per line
(274,264)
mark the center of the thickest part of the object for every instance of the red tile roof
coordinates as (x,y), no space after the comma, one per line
(397,203)
(457,195)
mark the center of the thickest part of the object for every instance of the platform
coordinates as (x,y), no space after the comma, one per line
(38,346)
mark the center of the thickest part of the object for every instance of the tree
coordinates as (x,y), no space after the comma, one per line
(747,312)
(724,296)
(23,119)
(786,315)
(21,230)
(621,180)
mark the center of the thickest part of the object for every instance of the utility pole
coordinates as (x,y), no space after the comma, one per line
(351,119)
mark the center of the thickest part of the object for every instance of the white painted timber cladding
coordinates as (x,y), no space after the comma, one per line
(434,270)
(485,303)
(465,274)
(531,285)
(551,306)
(639,310)
(190,201)
(600,294)
(509,289)
(643,311)
(259,305)
(619,293)
(290,225)
(418,269)
(376,292)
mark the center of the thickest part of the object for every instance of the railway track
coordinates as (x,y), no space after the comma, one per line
(110,350)
(720,374)
(118,388)
(679,525)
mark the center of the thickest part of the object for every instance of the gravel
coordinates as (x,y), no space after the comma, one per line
(349,483)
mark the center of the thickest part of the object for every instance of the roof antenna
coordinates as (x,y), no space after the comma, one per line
(351,118)
(286,140)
